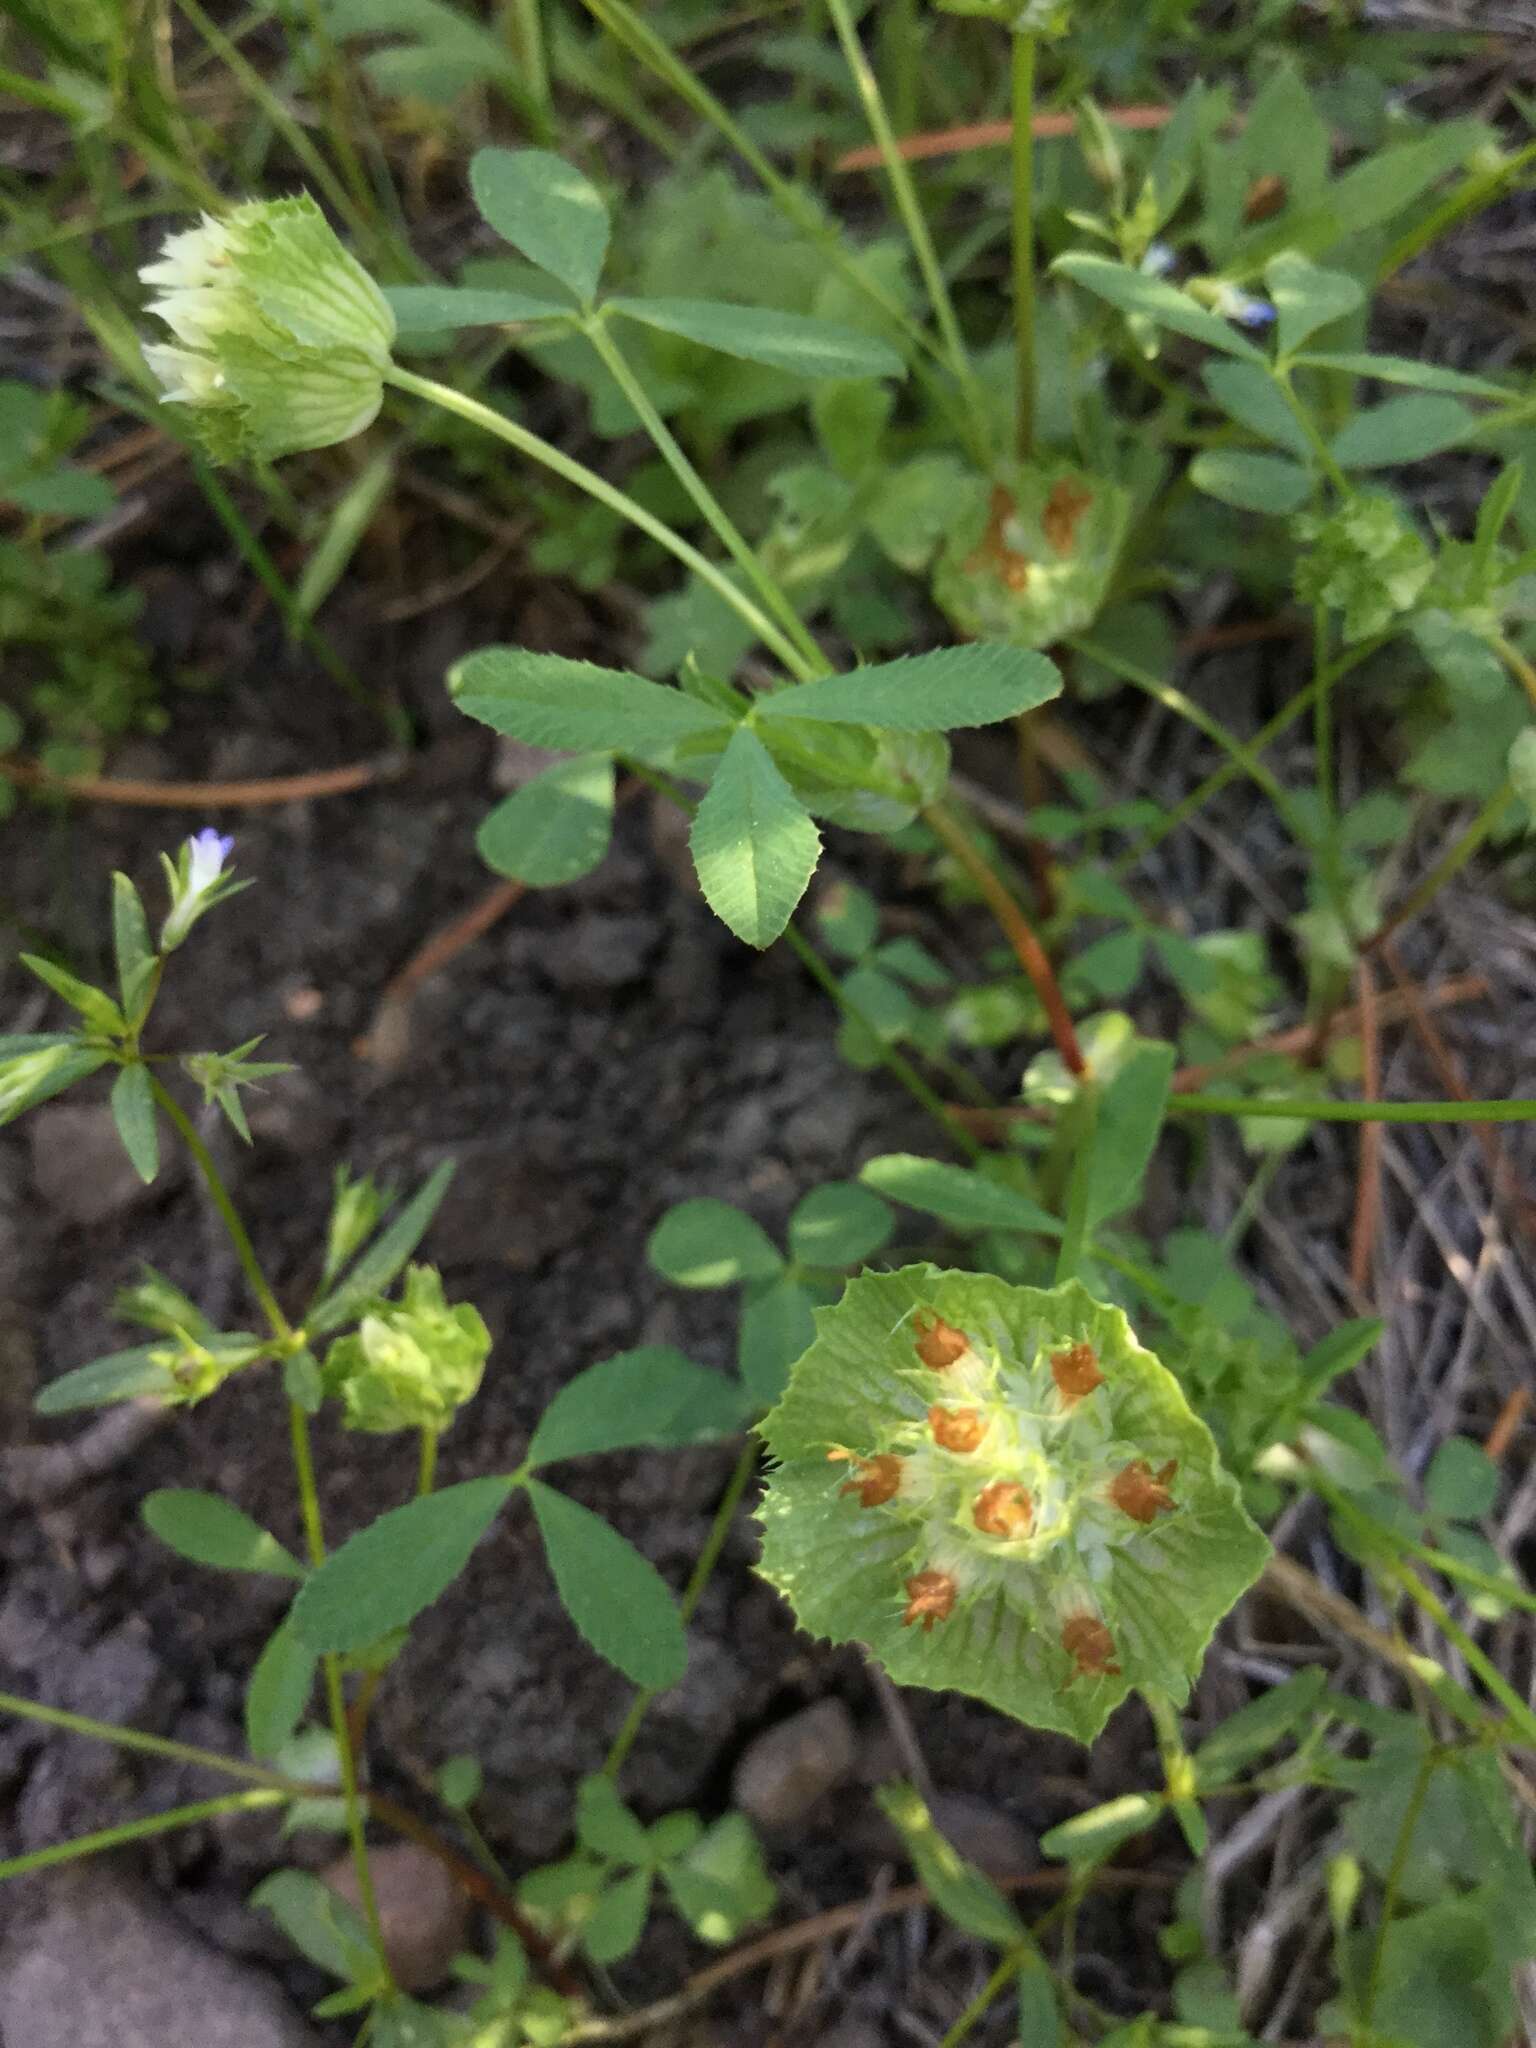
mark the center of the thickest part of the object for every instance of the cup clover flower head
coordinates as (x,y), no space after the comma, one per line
(412,1364)
(281,336)
(1000,1492)
(197,879)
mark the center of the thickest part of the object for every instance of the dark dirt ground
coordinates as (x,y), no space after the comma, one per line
(605,1051)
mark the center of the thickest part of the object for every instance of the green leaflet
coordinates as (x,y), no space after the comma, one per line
(784,341)
(546,208)
(754,846)
(1098,1570)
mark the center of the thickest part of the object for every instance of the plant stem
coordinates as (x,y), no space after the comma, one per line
(1078,1127)
(693,1592)
(899,39)
(894,1061)
(577,473)
(908,206)
(1024,49)
(813,662)
(1445,869)
(1176,700)
(1018,930)
(138,1830)
(1229,771)
(151,1745)
(1396,1871)
(426,1471)
(239,1237)
(1324,1109)
(989,1993)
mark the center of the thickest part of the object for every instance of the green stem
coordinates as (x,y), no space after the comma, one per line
(1324,1109)
(1229,771)
(239,1237)
(895,1063)
(1024,48)
(1521,1719)
(899,45)
(426,1470)
(812,662)
(1244,757)
(139,1830)
(272,106)
(1478,190)
(150,1745)
(577,473)
(1079,1126)
(1332,852)
(1448,866)
(693,1592)
(335,1696)
(908,206)
(988,1995)
(1396,1871)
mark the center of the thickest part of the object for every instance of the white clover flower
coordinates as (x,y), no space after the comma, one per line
(282,337)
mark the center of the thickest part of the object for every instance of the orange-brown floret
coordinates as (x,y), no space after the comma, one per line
(930,1598)
(1090,1646)
(957,1429)
(1064,509)
(1076,1372)
(1141,1493)
(939,1344)
(876,1480)
(1003,1509)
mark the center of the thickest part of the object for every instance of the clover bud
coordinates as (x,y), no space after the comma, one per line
(1090,1646)
(411,1364)
(1076,1373)
(1141,1493)
(939,1344)
(930,1598)
(1004,1510)
(957,1429)
(281,337)
(876,1480)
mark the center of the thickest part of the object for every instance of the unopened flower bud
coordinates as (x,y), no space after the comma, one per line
(1090,1646)
(939,1344)
(197,881)
(930,1598)
(1005,1510)
(876,1480)
(1141,1493)
(282,337)
(957,1429)
(412,1364)
(1076,1373)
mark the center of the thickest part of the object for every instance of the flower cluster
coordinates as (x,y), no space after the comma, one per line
(282,337)
(412,1364)
(999,1490)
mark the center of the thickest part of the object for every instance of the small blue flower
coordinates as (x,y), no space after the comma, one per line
(197,881)
(1233,304)
(207,852)
(1158,261)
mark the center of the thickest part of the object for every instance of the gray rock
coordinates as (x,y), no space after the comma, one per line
(984,1835)
(108,1967)
(79,1166)
(423,1913)
(601,951)
(789,1768)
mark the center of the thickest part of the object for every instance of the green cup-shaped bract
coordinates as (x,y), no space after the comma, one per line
(1000,1492)
(282,337)
(411,1364)
(1029,558)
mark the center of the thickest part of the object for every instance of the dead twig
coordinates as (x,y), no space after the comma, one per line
(204,796)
